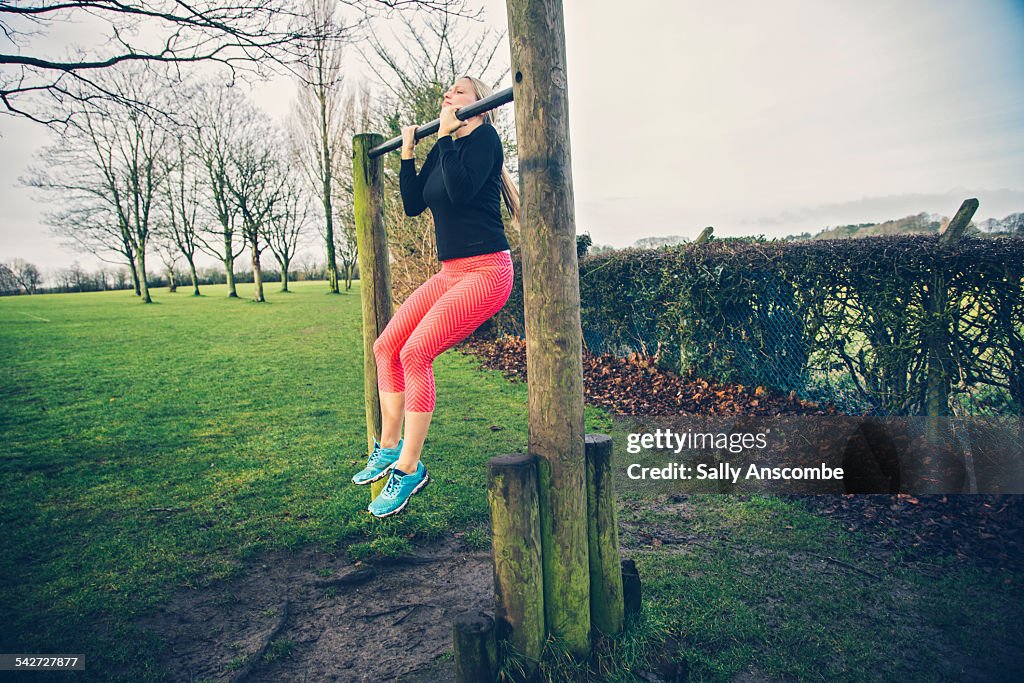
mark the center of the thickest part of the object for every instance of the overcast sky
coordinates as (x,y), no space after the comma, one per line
(756,118)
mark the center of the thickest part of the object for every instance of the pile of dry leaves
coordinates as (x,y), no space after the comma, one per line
(635,386)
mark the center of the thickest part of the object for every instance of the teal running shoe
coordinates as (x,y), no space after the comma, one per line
(398,491)
(379,463)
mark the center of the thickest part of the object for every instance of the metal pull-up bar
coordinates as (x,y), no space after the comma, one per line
(479,107)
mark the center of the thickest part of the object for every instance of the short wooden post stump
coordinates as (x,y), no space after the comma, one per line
(518,568)
(476,651)
(606,609)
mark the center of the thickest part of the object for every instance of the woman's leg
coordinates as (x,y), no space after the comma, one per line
(392,410)
(386,351)
(416,426)
(473,299)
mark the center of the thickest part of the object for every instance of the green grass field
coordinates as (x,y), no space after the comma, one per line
(149,447)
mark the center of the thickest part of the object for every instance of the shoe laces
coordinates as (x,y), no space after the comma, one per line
(375,456)
(392,488)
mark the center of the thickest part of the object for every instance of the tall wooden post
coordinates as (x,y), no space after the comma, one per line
(374,273)
(552,313)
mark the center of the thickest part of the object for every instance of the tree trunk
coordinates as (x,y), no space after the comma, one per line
(194,275)
(171,284)
(140,256)
(229,267)
(135,275)
(554,343)
(284,276)
(257,272)
(325,176)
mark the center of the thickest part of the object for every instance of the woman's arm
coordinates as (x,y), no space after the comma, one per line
(411,184)
(466,169)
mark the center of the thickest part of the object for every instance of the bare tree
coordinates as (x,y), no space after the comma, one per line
(182,199)
(287,223)
(102,279)
(169,253)
(241,37)
(346,244)
(106,174)
(96,228)
(8,283)
(357,117)
(129,146)
(78,276)
(256,182)
(22,274)
(62,276)
(436,53)
(309,266)
(216,119)
(316,117)
(120,278)
(85,217)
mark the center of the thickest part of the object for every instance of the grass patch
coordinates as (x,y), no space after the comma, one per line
(148,447)
(152,447)
(770,590)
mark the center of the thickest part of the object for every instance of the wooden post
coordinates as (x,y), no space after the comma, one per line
(631,588)
(554,343)
(476,652)
(940,361)
(871,461)
(606,608)
(374,273)
(518,569)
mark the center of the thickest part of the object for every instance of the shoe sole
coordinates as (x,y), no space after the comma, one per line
(383,473)
(419,487)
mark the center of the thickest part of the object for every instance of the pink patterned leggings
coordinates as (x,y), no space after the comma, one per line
(442,311)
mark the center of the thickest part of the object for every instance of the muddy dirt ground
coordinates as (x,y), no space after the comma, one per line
(383,622)
(391,621)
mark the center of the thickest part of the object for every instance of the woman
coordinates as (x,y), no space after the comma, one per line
(461,180)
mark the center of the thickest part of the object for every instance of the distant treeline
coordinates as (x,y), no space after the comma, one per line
(21,277)
(917,224)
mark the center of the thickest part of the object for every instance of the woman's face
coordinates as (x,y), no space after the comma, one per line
(460,94)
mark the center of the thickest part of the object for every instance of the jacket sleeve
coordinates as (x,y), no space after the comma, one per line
(466,169)
(410,184)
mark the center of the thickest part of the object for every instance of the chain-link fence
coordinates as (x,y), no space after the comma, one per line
(982,431)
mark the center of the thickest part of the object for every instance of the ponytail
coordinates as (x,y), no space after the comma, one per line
(510,193)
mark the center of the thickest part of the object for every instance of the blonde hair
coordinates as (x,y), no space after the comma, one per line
(509,191)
